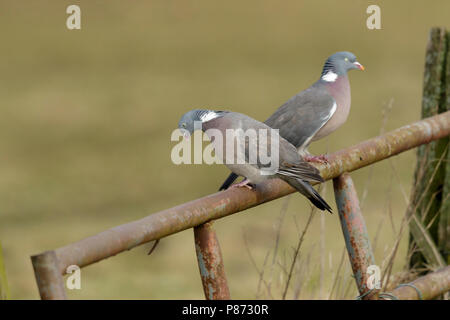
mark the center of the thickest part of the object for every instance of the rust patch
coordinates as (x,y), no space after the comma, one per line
(210,263)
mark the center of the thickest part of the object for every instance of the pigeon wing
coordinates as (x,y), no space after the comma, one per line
(301,117)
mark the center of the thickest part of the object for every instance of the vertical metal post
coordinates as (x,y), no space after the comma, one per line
(355,233)
(210,263)
(48,277)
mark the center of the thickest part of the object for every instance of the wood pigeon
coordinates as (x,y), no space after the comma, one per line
(290,166)
(317,111)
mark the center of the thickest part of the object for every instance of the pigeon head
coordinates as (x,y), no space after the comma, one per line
(338,65)
(193,120)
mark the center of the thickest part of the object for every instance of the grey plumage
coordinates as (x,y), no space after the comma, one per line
(292,168)
(317,111)
(302,116)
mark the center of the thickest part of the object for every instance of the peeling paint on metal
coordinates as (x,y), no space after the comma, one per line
(211,291)
(210,262)
(355,231)
(201,262)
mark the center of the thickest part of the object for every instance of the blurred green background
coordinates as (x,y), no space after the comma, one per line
(87,117)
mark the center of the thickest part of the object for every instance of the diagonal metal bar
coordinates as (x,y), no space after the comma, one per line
(210,263)
(355,234)
(48,276)
(221,204)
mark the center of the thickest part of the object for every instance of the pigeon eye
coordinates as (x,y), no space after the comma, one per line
(346,59)
(183,125)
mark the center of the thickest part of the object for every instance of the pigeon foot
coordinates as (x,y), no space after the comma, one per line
(321,158)
(244,183)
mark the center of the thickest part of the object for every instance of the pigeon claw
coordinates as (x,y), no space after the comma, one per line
(244,183)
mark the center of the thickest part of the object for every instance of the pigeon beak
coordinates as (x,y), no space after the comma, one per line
(186,135)
(359,65)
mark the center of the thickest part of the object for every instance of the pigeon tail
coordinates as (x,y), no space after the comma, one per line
(308,191)
(302,170)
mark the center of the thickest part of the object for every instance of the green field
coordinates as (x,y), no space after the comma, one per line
(87,117)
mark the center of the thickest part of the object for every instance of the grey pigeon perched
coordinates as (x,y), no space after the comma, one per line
(317,111)
(290,165)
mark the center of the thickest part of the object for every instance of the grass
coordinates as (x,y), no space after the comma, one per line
(87,116)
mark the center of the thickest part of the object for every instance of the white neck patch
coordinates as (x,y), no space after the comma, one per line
(330,76)
(208,116)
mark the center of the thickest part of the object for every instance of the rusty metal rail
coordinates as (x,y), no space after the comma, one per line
(218,205)
(423,288)
(355,233)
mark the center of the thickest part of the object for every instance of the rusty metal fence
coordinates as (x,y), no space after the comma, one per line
(50,266)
